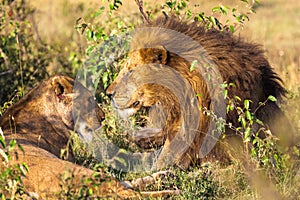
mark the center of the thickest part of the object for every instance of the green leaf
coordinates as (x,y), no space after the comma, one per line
(90,192)
(237,98)
(225,93)
(243,122)
(246,104)
(265,160)
(105,77)
(23,168)
(2,139)
(213,20)
(224,85)
(170,4)
(89,34)
(253,152)
(224,9)
(259,122)
(21,148)
(12,143)
(254,141)
(99,12)
(90,49)
(111,6)
(193,65)
(231,84)
(272,98)
(231,28)
(248,115)
(247,135)
(4,156)
(188,14)
(215,9)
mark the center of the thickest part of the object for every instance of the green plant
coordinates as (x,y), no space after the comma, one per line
(185,9)
(70,189)
(200,183)
(11,175)
(22,59)
(25,58)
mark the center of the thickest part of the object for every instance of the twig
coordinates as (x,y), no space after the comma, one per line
(6,72)
(145,16)
(3,55)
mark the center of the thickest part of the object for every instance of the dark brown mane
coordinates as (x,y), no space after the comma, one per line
(224,48)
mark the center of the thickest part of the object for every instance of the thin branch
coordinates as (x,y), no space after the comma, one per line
(6,64)
(6,72)
(146,17)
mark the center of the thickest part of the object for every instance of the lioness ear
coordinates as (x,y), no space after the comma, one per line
(61,86)
(157,54)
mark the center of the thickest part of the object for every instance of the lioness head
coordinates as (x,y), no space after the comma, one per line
(77,106)
(45,116)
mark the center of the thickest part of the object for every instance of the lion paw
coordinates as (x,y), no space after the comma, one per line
(147,138)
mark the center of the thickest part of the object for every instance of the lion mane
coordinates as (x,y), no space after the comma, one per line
(172,44)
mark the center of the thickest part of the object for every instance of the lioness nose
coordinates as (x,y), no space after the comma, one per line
(111,89)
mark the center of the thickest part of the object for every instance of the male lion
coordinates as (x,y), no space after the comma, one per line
(41,122)
(168,59)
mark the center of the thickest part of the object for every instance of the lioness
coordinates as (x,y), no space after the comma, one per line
(41,122)
(160,73)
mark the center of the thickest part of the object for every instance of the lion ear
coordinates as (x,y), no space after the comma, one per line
(157,54)
(61,86)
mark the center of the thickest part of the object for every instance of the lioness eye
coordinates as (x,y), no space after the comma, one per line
(92,99)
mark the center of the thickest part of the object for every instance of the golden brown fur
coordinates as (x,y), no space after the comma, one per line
(41,122)
(237,61)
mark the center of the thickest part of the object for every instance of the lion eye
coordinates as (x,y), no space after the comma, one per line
(160,57)
(135,104)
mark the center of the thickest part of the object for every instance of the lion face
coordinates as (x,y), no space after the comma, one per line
(127,96)
(136,58)
(146,83)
